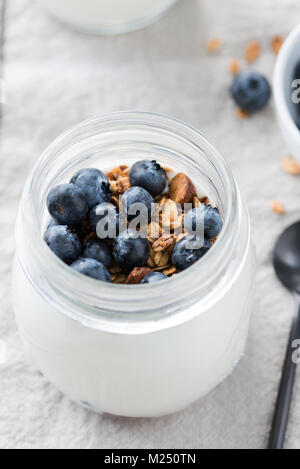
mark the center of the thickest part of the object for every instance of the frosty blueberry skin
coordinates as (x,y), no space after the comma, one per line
(111,214)
(64,243)
(149,175)
(251,91)
(67,204)
(132,197)
(184,256)
(131,250)
(92,268)
(154,277)
(98,250)
(205,219)
(94,184)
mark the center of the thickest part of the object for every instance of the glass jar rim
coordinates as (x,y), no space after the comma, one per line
(123,308)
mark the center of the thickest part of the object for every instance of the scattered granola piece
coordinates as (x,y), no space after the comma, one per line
(120,186)
(213,45)
(163,243)
(182,190)
(290,165)
(234,67)
(242,114)
(170,271)
(137,275)
(154,231)
(276,43)
(252,51)
(119,278)
(196,202)
(115,269)
(180,236)
(158,259)
(161,268)
(204,200)
(277,207)
(114,174)
(170,218)
(168,170)
(115,200)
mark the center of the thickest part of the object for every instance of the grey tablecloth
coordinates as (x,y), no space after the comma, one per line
(56,78)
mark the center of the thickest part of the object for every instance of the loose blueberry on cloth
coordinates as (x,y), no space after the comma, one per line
(251,91)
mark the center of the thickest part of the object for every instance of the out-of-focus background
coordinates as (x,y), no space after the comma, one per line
(55,78)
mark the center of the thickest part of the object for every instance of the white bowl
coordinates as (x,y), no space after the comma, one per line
(287,60)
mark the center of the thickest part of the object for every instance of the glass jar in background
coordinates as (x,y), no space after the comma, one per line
(107,16)
(138,351)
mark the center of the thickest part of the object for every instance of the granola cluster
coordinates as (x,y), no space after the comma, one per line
(167,229)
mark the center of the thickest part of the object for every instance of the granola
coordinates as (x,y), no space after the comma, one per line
(290,165)
(277,207)
(150,247)
(252,51)
(214,45)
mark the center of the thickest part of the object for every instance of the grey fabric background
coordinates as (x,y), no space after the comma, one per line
(56,78)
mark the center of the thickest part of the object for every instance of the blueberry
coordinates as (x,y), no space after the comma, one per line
(63,242)
(185,255)
(131,250)
(111,227)
(251,91)
(99,250)
(92,268)
(53,222)
(135,199)
(208,215)
(149,175)
(67,204)
(94,184)
(154,277)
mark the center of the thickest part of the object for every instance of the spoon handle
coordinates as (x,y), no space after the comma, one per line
(284,398)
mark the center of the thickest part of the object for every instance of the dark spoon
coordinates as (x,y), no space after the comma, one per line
(286,260)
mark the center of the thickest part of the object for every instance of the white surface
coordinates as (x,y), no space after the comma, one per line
(93,14)
(283,77)
(56,78)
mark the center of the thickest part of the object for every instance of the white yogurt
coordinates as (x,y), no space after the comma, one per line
(140,351)
(146,375)
(107,15)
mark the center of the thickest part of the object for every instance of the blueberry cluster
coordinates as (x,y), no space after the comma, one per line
(80,207)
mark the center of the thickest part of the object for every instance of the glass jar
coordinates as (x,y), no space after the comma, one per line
(139,351)
(107,16)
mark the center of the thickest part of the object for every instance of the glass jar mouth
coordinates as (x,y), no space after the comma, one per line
(123,308)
